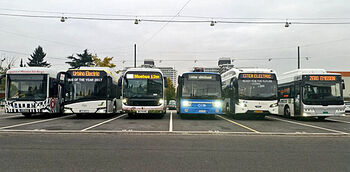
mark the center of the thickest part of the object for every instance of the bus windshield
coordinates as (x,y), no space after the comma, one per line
(87,87)
(320,93)
(140,86)
(27,86)
(201,89)
(254,89)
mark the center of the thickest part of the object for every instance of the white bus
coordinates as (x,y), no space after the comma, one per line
(31,90)
(143,92)
(91,90)
(250,91)
(311,93)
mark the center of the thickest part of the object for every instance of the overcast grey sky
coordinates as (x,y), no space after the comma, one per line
(327,45)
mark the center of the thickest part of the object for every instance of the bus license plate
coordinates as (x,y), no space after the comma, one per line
(325,112)
(83,111)
(25,110)
(258,111)
(203,111)
(142,111)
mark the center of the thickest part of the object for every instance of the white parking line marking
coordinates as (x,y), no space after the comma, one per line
(101,123)
(34,122)
(307,125)
(241,125)
(171,122)
(335,120)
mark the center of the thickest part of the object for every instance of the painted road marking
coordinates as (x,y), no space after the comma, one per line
(101,123)
(34,122)
(14,116)
(307,125)
(171,122)
(241,125)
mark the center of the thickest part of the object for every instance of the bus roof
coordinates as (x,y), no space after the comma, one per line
(33,70)
(296,74)
(234,72)
(144,70)
(213,73)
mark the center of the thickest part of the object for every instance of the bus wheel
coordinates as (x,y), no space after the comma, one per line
(160,116)
(321,118)
(131,115)
(286,111)
(27,115)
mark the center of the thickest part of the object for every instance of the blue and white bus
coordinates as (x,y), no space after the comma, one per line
(199,93)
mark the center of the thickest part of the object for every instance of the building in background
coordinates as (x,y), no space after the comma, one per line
(224,64)
(346,77)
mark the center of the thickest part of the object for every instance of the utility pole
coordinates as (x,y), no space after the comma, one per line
(298,57)
(135,55)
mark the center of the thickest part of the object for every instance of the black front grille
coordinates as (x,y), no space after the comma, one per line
(143,102)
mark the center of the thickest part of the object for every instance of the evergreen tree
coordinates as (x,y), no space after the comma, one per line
(84,59)
(38,58)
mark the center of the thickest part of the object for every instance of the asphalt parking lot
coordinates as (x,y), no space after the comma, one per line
(173,124)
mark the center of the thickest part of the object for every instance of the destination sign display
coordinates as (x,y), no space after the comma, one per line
(143,76)
(201,77)
(321,78)
(86,73)
(257,76)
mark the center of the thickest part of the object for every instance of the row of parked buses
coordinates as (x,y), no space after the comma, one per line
(303,92)
(85,90)
(299,93)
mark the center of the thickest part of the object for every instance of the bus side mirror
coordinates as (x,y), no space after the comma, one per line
(179,80)
(2,77)
(165,82)
(120,81)
(343,84)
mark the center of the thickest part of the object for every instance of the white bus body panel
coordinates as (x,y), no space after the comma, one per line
(256,105)
(97,106)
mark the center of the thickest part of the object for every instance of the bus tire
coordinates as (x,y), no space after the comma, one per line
(27,115)
(131,115)
(321,118)
(160,116)
(286,111)
(115,108)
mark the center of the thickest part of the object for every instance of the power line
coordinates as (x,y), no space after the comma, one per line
(173,21)
(150,38)
(180,16)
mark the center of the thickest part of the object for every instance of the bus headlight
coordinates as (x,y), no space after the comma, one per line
(186,103)
(241,104)
(217,103)
(273,105)
(125,101)
(160,102)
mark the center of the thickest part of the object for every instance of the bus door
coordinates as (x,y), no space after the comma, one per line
(297,99)
(234,95)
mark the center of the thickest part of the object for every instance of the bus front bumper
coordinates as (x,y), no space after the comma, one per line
(140,110)
(190,110)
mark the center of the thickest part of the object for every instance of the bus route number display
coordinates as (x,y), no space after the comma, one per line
(321,78)
(143,76)
(256,76)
